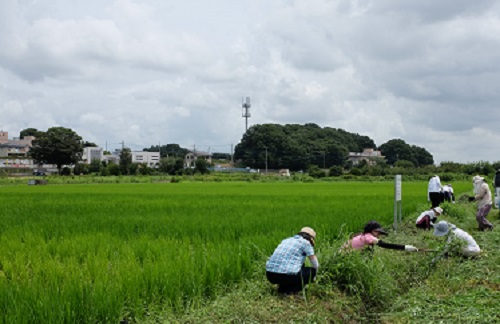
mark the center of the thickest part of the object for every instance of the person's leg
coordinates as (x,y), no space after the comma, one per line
(286,283)
(308,275)
(424,223)
(481,214)
(435,198)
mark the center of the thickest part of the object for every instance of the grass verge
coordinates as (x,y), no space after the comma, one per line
(387,287)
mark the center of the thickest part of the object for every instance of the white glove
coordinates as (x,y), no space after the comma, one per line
(410,248)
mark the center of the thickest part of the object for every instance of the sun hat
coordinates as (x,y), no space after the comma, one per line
(374,226)
(309,231)
(439,210)
(441,228)
(477,178)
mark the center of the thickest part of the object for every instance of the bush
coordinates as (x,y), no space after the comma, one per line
(315,172)
(336,171)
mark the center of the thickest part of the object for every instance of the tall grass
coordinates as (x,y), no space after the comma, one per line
(97,253)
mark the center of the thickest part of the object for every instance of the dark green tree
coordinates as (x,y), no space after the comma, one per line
(169,150)
(59,146)
(397,149)
(171,165)
(28,132)
(89,144)
(125,161)
(296,147)
(201,166)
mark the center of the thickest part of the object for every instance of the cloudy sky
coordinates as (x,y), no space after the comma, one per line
(159,71)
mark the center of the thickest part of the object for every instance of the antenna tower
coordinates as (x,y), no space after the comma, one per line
(246,110)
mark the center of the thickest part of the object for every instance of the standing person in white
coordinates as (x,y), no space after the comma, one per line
(434,191)
(483,198)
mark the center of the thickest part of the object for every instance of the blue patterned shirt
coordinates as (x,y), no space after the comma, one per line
(290,255)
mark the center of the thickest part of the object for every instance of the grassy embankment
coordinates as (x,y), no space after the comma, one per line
(391,287)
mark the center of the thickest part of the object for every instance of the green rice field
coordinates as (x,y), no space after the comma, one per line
(100,252)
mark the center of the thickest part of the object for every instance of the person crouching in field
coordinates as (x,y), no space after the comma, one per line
(428,217)
(448,194)
(467,246)
(370,237)
(286,266)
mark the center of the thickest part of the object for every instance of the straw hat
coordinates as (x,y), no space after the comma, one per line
(309,231)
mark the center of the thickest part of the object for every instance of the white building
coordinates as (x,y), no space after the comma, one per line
(150,159)
(92,153)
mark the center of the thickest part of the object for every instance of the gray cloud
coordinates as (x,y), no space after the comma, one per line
(149,72)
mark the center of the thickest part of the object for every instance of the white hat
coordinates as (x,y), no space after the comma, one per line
(477,178)
(438,210)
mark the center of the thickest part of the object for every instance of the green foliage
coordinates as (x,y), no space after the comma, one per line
(315,172)
(59,145)
(404,164)
(125,161)
(356,171)
(169,150)
(397,149)
(201,166)
(361,274)
(80,168)
(95,165)
(171,165)
(28,132)
(66,171)
(114,169)
(336,171)
(295,147)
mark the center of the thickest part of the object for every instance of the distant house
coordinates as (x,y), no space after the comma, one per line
(190,157)
(15,147)
(369,155)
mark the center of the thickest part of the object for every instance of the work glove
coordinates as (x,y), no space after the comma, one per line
(410,248)
(472,198)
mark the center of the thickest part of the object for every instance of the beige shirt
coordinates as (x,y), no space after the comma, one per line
(483,195)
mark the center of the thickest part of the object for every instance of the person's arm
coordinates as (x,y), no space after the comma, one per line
(481,193)
(392,246)
(314,261)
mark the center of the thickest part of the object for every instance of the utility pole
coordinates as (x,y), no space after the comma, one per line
(266,159)
(232,161)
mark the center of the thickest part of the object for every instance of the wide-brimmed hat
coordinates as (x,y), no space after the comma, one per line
(309,231)
(477,178)
(438,210)
(374,226)
(441,228)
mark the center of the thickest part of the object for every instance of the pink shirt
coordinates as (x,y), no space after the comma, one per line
(360,241)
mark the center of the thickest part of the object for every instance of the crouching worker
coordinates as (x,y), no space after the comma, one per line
(370,238)
(466,243)
(286,266)
(428,217)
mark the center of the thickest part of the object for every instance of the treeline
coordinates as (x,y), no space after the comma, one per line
(298,147)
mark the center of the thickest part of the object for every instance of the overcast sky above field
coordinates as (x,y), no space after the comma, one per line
(157,71)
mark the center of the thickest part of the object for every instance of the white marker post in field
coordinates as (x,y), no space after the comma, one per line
(397,201)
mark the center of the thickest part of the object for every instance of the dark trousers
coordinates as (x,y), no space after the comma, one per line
(481,218)
(448,196)
(436,198)
(292,283)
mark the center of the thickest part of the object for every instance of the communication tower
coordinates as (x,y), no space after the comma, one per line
(246,110)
